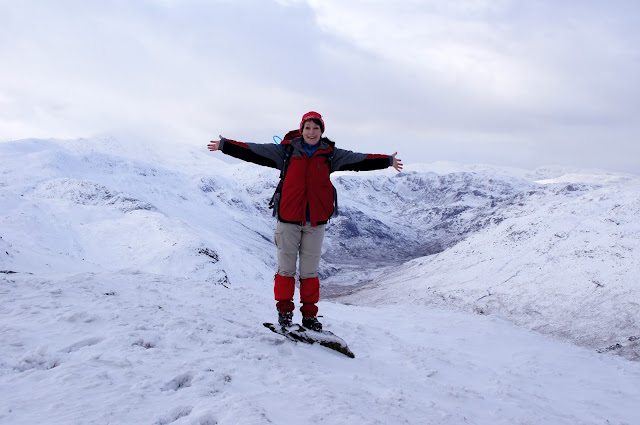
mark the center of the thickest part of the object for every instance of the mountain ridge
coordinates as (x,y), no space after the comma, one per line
(195,215)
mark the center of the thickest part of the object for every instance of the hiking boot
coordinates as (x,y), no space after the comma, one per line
(284,319)
(312,323)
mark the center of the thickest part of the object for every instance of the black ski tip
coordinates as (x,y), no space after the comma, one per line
(338,347)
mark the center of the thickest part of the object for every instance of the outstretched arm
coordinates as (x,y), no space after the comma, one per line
(345,160)
(267,154)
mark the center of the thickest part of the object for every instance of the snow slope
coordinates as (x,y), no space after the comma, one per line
(134,285)
(563,259)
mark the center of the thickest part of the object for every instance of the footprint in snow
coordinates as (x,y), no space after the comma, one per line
(87,342)
(174,415)
(180,381)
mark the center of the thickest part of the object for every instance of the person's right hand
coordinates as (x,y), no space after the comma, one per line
(214,145)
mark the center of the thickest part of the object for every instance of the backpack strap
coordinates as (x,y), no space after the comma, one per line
(329,157)
(330,154)
(275,199)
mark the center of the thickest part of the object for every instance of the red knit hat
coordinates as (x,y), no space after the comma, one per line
(312,116)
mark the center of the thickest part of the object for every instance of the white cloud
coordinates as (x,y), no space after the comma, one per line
(539,75)
(500,79)
(480,50)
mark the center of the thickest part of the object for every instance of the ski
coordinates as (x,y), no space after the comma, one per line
(298,333)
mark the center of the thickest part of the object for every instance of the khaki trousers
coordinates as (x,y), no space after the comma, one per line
(292,239)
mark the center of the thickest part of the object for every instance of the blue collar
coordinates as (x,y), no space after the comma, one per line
(310,150)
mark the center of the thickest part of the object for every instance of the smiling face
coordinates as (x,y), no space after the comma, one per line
(311,132)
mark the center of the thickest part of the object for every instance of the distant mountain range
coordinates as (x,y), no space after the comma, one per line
(553,250)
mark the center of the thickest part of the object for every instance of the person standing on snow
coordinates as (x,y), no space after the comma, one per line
(305,205)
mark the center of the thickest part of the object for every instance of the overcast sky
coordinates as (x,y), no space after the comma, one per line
(523,83)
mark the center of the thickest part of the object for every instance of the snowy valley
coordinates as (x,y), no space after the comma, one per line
(134,283)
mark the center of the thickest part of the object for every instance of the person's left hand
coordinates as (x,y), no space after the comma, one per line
(397,162)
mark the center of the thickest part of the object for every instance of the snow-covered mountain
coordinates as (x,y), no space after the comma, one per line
(134,282)
(560,256)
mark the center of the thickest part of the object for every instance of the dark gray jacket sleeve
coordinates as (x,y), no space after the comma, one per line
(345,160)
(266,154)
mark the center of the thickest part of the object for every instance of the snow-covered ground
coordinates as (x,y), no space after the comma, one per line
(134,287)
(137,348)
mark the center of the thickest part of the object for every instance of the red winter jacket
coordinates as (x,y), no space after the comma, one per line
(307,180)
(307,183)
